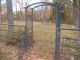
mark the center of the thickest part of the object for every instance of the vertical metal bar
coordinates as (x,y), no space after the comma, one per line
(24,41)
(10,15)
(26,18)
(26,34)
(26,38)
(32,24)
(57,45)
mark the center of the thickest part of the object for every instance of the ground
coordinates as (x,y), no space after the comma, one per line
(44,37)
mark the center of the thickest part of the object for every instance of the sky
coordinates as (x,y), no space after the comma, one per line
(29,1)
(18,5)
(21,3)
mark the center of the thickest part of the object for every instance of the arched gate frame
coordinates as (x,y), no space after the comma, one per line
(57,7)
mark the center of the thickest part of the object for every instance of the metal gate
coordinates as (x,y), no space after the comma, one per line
(44,39)
(66,45)
(19,32)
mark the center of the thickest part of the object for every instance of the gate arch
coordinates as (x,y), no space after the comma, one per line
(57,7)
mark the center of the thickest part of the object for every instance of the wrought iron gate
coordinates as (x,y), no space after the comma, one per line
(37,21)
(16,29)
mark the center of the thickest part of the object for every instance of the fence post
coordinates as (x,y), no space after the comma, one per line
(57,45)
(10,15)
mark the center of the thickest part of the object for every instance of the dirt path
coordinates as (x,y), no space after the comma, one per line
(35,54)
(11,53)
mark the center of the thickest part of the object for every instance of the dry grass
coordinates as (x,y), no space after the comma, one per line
(44,36)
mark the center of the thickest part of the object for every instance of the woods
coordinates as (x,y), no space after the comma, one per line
(66,13)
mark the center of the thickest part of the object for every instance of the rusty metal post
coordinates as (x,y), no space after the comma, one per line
(57,46)
(32,25)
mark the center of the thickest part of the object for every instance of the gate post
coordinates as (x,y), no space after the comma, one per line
(10,15)
(57,45)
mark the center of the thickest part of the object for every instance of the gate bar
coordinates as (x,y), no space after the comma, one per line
(57,45)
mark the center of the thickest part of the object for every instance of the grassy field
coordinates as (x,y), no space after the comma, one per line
(44,36)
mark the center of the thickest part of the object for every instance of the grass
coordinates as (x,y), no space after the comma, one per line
(2,55)
(43,35)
